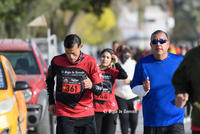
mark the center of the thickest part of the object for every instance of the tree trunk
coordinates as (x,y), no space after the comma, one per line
(70,23)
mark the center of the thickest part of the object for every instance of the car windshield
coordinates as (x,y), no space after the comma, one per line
(22,62)
(2,78)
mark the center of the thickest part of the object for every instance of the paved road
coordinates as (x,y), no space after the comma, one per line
(139,129)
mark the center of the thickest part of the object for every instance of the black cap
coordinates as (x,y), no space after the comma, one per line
(123,49)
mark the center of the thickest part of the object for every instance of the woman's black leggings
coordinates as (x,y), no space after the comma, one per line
(127,115)
(106,122)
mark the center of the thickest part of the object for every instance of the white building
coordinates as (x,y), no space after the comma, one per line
(154,19)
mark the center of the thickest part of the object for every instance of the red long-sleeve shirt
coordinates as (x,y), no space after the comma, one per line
(71,99)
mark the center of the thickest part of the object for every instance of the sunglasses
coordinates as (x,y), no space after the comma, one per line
(155,42)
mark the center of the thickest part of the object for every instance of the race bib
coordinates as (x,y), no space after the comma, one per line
(103,96)
(71,88)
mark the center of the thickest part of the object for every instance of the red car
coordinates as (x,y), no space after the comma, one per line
(30,66)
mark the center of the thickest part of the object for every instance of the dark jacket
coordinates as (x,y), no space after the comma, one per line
(186,79)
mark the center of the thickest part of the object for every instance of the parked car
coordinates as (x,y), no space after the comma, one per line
(13,112)
(29,65)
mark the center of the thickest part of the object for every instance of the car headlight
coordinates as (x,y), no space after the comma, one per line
(6,105)
(27,94)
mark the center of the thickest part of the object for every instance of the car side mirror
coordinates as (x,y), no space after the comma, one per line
(21,85)
(45,71)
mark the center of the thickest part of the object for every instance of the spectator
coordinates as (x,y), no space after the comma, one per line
(198,44)
(172,48)
(115,45)
(152,81)
(183,49)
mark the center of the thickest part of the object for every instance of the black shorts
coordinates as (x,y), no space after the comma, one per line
(84,125)
(172,129)
(195,132)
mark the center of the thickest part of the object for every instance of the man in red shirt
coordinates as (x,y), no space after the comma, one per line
(78,78)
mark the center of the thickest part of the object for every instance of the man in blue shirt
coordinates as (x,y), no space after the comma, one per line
(152,81)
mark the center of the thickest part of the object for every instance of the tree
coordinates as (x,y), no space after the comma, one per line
(95,6)
(93,29)
(88,16)
(187,19)
(15,15)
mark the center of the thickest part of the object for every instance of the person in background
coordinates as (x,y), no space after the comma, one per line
(178,50)
(128,102)
(186,81)
(183,49)
(105,104)
(152,81)
(172,48)
(115,45)
(78,79)
(198,44)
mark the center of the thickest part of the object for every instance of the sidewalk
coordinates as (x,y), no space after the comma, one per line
(139,129)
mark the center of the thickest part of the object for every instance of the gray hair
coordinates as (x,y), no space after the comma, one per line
(157,32)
